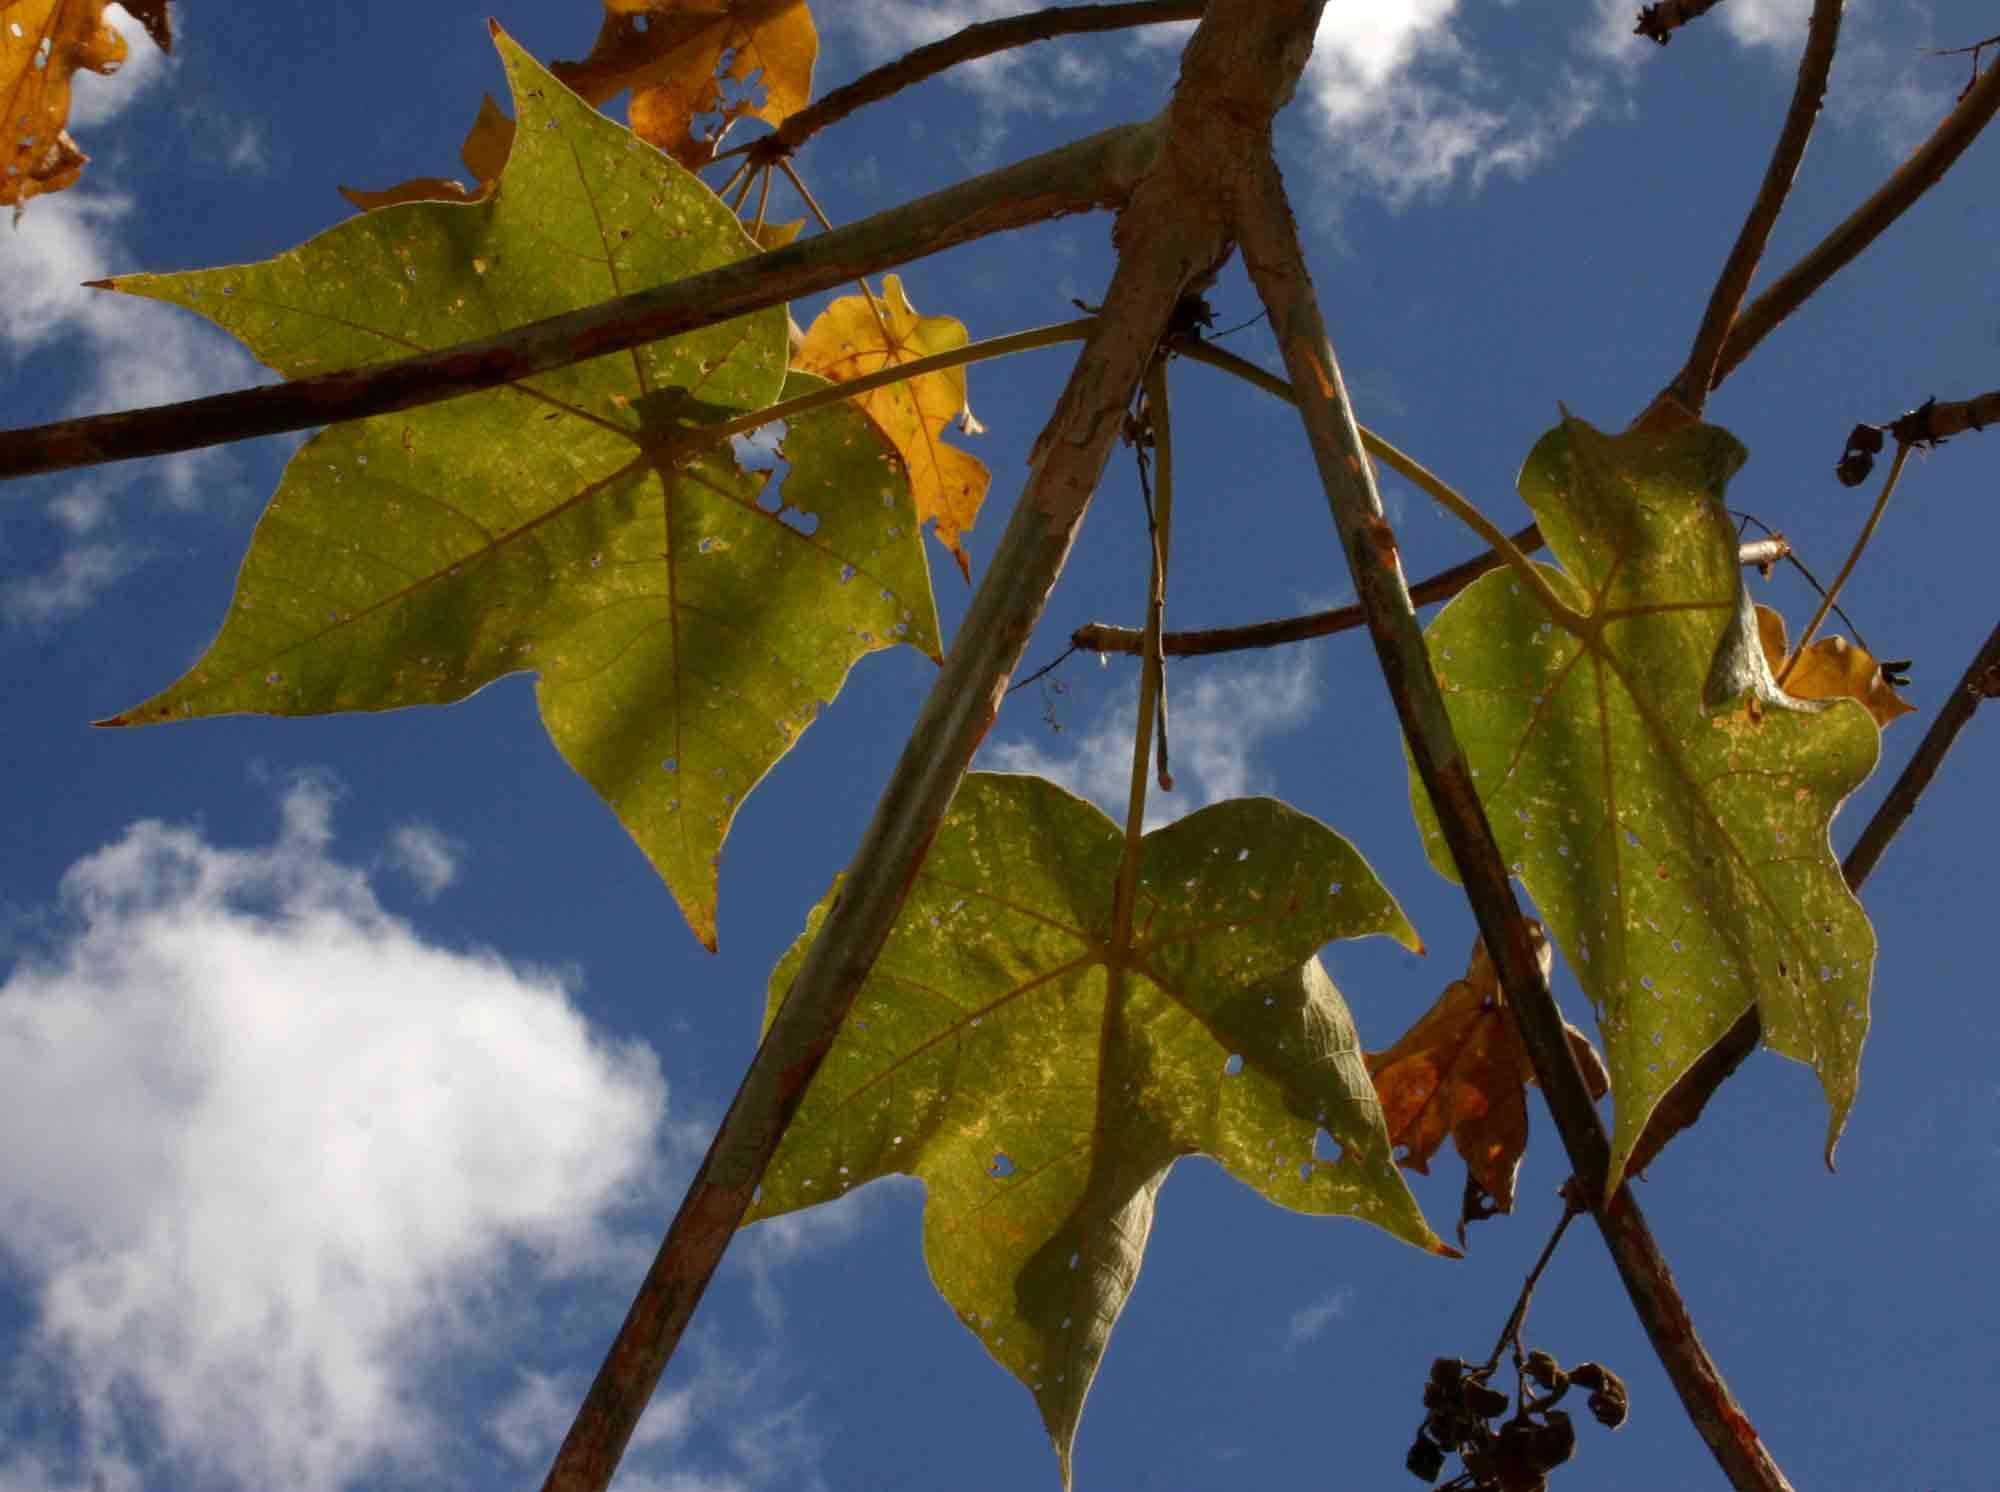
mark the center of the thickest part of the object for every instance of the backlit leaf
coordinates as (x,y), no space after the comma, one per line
(989,1054)
(1665,803)
(850,339)
(697,66)
(1832,668)
(684,627)
(1461,1070)
(43,44)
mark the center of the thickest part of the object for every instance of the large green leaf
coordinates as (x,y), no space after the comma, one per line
(580,525)
(993,1054)
(1665,804)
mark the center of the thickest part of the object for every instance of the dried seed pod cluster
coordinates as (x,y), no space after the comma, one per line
(1519,1454)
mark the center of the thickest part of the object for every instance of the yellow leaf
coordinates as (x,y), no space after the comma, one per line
(690,61)
(484,153)
(1831,668)
(771,236)
(43,43)
(847,340)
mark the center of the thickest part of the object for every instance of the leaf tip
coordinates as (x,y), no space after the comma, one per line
(106,284)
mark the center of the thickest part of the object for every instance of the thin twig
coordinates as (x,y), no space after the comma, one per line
(1659,22)
(1798,651)
(1681,1105)
(982,39)
(1276,262)
(1102,637)
(1503,546)
(1894,197)
(1233,79)
(1152,677)
(1790,557)
(1691,386)
(1512,1330)
(1097,172)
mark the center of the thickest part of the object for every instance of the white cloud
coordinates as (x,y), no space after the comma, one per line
(1399,96)
(99,98)
(427,856)
(1310,1321)
(127,352)
(1215,726)
(272,1154)
(70,584)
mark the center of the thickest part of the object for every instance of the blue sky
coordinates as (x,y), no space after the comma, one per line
(349,1068)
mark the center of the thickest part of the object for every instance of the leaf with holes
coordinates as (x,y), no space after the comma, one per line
(43,45)
(583,524)
(1665,803)
(857,335)
(1041,1076)
(697,66)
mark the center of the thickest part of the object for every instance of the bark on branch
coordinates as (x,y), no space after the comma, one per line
(1096,172)
(1102,637)
(1276,263)
(1234,77)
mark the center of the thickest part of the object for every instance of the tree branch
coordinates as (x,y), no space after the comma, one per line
(1682,1104)
(1894,197)
(1234,76)
(1103,637)
(1096,172)
(1277,266)
(1690,387)
(981,39)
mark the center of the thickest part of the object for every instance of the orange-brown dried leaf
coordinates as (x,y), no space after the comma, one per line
(697,66)
(484,153)
(850,339)
(43,44)
(1831,668)
(1461,1071)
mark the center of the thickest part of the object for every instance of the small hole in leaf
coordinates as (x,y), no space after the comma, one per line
(1234,1065)
(1327,1148)
(1002,1167)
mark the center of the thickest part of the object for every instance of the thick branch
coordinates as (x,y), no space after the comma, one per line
(1909,182)
(1277,266)
(1102,637)
(1682,1104)
(1234,77)
(981,39)
(1691,387)
(1096,172)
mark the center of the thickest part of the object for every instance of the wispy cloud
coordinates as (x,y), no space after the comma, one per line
(704,1431)
(1312,1320)
(428,856)
(316,1143)
(1217,723)
(70,584)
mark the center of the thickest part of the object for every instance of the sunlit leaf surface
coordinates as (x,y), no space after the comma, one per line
(1665,804)
(687,616)
(990,1054)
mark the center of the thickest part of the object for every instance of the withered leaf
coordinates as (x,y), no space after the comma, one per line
(1831,668)
(43,44)
(1461,1071)
(697,66)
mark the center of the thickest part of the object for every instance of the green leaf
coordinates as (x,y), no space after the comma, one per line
(581,524)
(1665,804)
(1042,1082)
